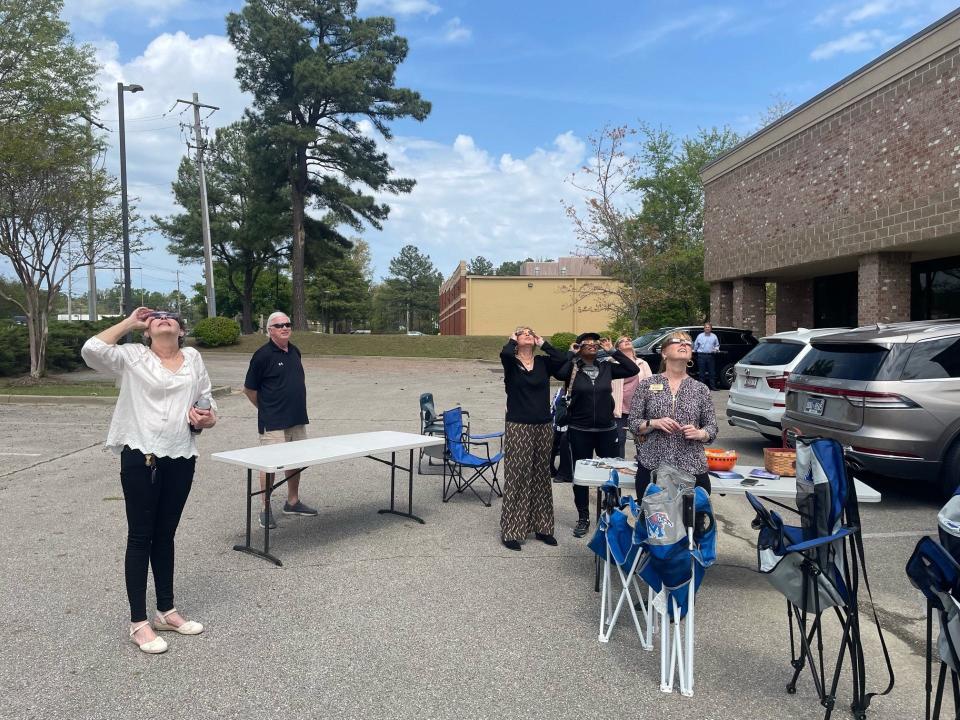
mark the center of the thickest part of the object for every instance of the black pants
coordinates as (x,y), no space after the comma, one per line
(707,369)
(154,498)
(582,446)
(561,469)
(643,479)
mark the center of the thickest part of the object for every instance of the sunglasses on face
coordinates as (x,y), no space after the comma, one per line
(279,326)
(678,342)
(526,332)
(161,315)
(589,344)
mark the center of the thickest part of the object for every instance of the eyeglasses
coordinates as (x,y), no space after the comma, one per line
(161,315)
(278,326)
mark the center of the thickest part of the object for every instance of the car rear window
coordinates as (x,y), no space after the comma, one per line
(934,359)
(772,353)
(846,362)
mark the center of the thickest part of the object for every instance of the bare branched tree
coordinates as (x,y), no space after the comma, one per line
(608,231)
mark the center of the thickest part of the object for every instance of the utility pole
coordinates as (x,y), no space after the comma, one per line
(125,210)
(69,280)
(204,212)
(91,268)
(178,290)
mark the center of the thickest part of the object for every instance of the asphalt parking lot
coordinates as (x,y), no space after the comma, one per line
(377,616)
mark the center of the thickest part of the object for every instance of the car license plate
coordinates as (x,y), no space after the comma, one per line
(814,406)
(750,382)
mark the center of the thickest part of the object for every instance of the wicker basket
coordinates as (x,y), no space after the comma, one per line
(782,461)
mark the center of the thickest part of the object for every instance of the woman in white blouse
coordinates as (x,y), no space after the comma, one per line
(153,430)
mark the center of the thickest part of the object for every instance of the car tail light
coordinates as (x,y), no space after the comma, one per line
(864,398)
(778,382)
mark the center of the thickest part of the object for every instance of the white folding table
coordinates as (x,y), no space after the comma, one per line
(594,473)
(302,454)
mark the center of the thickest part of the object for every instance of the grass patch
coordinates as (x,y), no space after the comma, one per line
(60,388)
(480,347)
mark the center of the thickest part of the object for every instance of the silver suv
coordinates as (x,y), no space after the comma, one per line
(890,393)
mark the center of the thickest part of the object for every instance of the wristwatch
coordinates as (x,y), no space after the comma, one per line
(648,423)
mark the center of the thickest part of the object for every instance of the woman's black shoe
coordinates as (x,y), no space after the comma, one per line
(511,544)
(546,539)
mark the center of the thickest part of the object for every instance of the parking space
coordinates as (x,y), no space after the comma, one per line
(373,615)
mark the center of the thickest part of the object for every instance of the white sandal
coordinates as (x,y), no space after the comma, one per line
(151,647)
(189,627)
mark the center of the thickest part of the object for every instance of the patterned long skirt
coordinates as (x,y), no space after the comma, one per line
(527,489)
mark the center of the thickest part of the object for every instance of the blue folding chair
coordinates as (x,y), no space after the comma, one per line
(457,457)
(817,566)
(934,571)
(680,544)
(620,546)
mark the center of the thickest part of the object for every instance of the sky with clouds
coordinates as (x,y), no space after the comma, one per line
(517,89)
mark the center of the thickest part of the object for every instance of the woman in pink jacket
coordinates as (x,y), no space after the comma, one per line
(623,391)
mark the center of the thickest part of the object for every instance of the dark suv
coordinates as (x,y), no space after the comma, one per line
(890,394)
(734,344)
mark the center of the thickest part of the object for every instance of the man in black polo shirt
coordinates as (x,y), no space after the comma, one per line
(275,385)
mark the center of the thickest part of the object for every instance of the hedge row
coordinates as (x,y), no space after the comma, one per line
(63,346)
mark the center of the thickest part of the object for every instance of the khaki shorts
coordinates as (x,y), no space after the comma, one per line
(275,437)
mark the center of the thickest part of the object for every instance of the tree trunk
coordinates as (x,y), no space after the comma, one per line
(37,326)
(298,300)
(246,301)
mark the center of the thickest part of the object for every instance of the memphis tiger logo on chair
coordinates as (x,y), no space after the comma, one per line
(658,523)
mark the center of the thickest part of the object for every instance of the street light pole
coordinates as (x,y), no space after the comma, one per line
(125,211)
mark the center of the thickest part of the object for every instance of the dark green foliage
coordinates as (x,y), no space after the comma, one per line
(217,331)
(63,346)
(562,340)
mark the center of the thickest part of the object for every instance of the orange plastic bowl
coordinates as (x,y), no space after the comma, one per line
(720,459)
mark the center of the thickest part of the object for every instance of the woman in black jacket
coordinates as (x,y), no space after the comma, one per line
(592,427)
(528,438)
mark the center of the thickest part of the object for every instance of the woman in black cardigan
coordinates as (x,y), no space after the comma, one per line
(528,438)
(592,427)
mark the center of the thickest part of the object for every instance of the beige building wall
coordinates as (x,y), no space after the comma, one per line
(497,305)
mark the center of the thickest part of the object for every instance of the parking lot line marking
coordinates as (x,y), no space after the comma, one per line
(22,454)
(901,534)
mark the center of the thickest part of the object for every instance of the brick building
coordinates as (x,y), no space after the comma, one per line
(850,204)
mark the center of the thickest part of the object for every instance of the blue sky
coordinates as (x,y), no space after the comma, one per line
(517,89)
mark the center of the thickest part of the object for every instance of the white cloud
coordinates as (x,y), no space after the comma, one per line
(872,9)
(860,41)
(172,66)
(700,22)
(454,31)
(398,7)
(468,202)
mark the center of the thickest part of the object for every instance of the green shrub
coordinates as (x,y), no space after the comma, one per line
(562,340)
(217,331)
(14,350)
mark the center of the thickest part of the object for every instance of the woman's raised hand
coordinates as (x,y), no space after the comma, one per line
(139,317)
(606,344)
(538,340)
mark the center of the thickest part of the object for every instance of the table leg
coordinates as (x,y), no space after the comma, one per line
(248,548)
(597,570)
(393,476)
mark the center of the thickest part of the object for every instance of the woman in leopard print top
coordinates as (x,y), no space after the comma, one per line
(672,417)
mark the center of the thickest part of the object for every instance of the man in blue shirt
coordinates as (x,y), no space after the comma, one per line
(706,346)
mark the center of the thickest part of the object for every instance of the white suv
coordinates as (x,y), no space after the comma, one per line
(757,399)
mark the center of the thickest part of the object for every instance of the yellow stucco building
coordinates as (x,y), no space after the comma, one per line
(547,301)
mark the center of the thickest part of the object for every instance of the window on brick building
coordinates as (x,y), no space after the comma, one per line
(835,300)
(935,289)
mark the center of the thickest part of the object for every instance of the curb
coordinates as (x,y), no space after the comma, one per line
(81,399)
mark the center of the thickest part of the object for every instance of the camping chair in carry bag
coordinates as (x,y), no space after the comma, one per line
(817,567)
(934,571)
(431,423)
(680,544)
(620,546)
(457,457)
